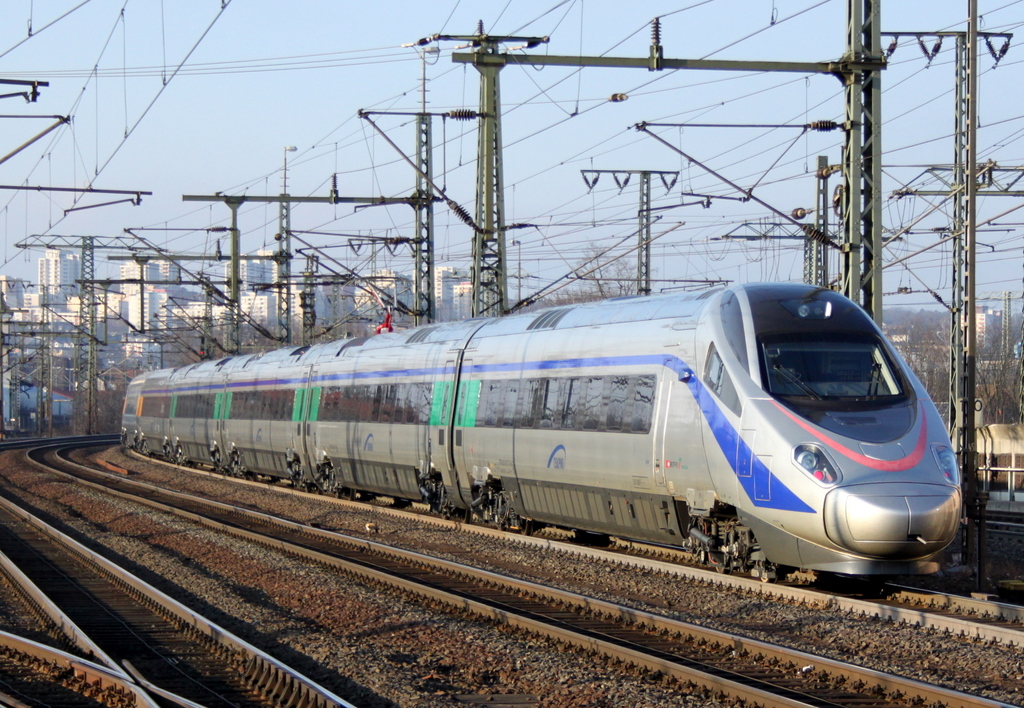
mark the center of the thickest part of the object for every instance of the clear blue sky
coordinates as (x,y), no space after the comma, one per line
(195,98)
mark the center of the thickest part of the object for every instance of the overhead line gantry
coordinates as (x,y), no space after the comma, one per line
(859,69)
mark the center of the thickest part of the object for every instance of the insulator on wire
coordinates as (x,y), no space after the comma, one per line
(938,299)
(800,213)
(816,234)
(823,126)
(461,213)
(462,114)
(656,31)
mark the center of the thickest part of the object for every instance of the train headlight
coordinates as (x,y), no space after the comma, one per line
(813,461)
(947,462)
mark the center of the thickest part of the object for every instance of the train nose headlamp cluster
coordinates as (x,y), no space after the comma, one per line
(946,460)
(809,309)
(812,460)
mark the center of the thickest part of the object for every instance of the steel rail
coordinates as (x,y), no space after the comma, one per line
(45,607)
(87,674)
(601,611)
(982,619)
(291,687)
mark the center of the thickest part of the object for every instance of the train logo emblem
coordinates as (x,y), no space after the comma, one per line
(557,459)
(368,443)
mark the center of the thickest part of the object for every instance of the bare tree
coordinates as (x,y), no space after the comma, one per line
(605,277)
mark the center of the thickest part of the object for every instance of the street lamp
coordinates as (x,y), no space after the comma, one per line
(284,187)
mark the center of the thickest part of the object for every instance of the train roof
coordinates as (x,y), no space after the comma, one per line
(613,311)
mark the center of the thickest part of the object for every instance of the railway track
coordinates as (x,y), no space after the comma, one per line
(716,661)
(133,642)
(981,619)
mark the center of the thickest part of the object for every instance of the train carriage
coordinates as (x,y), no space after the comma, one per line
(759,426)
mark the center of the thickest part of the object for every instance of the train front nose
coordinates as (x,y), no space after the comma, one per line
(898,521)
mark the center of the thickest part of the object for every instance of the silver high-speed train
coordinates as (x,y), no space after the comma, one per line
(763,427)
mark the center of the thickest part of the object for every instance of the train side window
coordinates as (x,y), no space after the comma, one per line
(719,381)
(568,403)
(469,403)
(593,400)
(492,398)
(617,395)
(509,408)
(359,403)
(439,410)
(549,402)
(343,403)
(355,403)
(528,404)
(329,404)
(409,403)
(387,407)
(378,395)
(424,400)
(400,396)
(643,404)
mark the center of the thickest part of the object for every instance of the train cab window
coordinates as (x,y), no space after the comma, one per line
(720,383)
(732,323)
(815,366)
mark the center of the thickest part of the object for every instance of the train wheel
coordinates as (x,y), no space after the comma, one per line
(765,571)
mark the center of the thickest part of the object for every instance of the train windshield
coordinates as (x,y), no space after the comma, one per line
(829,366)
